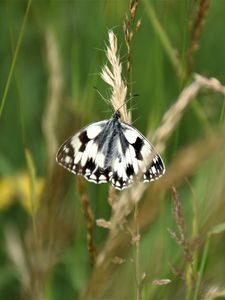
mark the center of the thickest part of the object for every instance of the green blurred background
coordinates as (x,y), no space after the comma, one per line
(61,53)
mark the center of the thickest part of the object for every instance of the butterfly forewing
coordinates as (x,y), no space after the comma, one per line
(111,150)
(79,154)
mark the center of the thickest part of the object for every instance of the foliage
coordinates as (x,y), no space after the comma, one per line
(164,240)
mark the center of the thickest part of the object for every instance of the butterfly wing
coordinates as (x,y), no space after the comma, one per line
(136,155)
(80,155)
(111,150)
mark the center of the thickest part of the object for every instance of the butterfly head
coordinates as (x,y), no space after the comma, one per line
(117,115)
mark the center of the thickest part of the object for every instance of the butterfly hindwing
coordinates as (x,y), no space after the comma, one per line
(134,155)
(141,155)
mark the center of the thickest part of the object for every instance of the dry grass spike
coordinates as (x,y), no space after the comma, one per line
(130,27)
(112,75)
(89,218)
(196,27)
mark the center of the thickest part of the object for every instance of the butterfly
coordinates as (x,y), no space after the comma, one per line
(111,151)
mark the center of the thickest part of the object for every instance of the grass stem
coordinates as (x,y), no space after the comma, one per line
(202,267)
(18,44)
(31,171)
(164,39)
(137,254)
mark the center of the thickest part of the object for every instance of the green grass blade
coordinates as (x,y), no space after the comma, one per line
(18,44)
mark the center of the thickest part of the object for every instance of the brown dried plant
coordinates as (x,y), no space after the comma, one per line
(130,27)
(214,292)
(55,98)
(182,240)
(169,122)
(49,125)
(196,25)
(118,240)
(39,249)
(112,75)
(89,218)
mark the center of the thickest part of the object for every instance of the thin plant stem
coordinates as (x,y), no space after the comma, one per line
(18,44)
(202,267)
(31,171)
(196,28)
(137,253)
(19,102)
(89,219)
(164,39)
(130,27)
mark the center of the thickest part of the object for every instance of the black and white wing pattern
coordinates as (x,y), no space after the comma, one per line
(111,150)
(141,158)
(80,154)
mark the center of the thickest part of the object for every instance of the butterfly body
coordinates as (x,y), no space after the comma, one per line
(111,150)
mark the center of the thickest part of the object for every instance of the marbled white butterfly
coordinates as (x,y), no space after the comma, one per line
(111,150)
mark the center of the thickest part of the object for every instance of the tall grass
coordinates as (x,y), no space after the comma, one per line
(120,247)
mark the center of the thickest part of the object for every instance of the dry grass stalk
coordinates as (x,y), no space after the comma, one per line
(113,76)
(179,217)
(35,257)
(89,218)
(196,28)
(31,275)
(210,83)
(173,115)
(117,260)
(119,241)
(136,238)
(130,27)
(103,223)
(178,273)
(169,122)
(195,231)
(55,89)
(214,293)
(181,238)
(179,169)
(171,118)
(112,197)
(161,281)
(16,253)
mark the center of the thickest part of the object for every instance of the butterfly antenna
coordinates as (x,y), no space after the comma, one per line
(131,98)
(100,94)
(132,108)
(128,100)
(135,120)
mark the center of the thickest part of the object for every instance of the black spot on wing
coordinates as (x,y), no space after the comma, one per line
(90,165)
(98,175)
(118,182)
(137,147)
(115,177)
(84,139)
(130,170)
